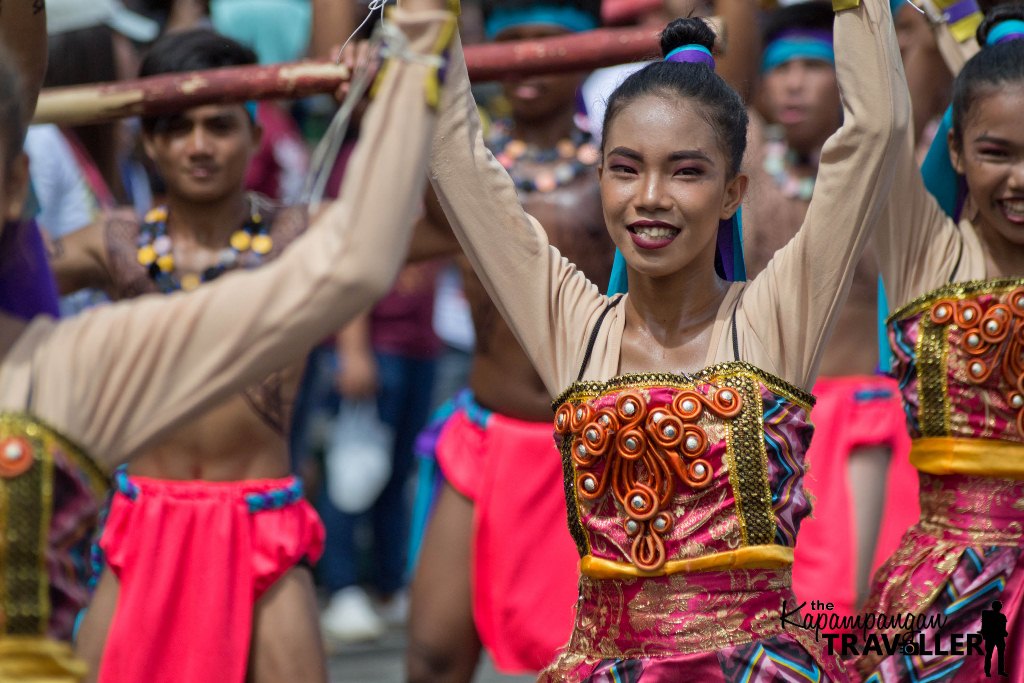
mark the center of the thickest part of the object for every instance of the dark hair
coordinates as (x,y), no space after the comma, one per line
(990,69)
(722,107)
(591,7)
(193,50)
(12,135)
(809,15)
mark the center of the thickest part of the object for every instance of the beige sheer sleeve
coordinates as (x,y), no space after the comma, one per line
(920,247)
(787,313)
(117,378)
(918,244)
(549,305)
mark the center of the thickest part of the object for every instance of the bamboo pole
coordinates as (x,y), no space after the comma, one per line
(175,92)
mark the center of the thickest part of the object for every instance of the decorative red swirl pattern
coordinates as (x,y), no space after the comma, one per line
(643,448)
(993,338)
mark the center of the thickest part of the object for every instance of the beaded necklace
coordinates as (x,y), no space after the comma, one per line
(155,252)
(574,155)
(779,160)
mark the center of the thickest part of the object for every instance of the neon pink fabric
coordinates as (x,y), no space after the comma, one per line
(851,412)
(192,561)
(524,561)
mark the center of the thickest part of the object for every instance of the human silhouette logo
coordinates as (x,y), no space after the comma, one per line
(993,630)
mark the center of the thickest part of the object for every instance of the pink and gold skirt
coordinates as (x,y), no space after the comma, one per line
(702,626)
(964,553)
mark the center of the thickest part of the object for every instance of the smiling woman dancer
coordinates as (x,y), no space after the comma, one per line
(957,335)
(80,396)
(684,423)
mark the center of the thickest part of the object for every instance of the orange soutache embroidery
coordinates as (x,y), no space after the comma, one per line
(993,338)
(643,449)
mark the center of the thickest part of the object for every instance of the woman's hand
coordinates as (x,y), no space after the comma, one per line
(355,53)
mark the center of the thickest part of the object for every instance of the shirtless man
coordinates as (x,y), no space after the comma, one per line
(210,224)
(480,580)
(859,439)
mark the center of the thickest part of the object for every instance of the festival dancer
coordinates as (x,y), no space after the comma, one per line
(859,439)
(682,454)
(81,396)
(492,570)
(955,286)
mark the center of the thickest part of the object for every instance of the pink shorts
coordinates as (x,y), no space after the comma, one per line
(525,564)
(851,413)
(192,558)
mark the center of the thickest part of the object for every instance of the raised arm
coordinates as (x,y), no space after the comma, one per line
(789,309)
(919,246)
(549,305)
(115,379)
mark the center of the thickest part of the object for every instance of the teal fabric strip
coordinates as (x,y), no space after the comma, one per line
(569,18)
(786,49)
(940,177)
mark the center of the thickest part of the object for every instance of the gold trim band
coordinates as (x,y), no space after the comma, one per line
(973,457)
(39,660)
(754,557)
(955,290)
(584,391)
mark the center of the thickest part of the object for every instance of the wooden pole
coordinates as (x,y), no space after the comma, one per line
(176,92)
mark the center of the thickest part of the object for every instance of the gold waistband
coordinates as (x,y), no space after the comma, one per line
(35,659)
(972,457)
(754,557)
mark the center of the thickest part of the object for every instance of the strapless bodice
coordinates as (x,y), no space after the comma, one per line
(670,473)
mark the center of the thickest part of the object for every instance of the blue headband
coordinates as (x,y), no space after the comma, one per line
(569,18)
(783,50)
(1011,29)
(692,54)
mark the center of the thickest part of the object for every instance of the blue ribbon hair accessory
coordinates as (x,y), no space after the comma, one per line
(692,54)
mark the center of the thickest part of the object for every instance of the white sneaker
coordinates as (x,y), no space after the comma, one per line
(350,617)
(395,611)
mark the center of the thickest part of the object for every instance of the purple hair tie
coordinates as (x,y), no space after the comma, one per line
(692,54)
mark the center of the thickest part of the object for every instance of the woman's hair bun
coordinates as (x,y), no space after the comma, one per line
(686,31)
(996,15)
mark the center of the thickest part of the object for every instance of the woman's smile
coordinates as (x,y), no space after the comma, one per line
(652,234)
